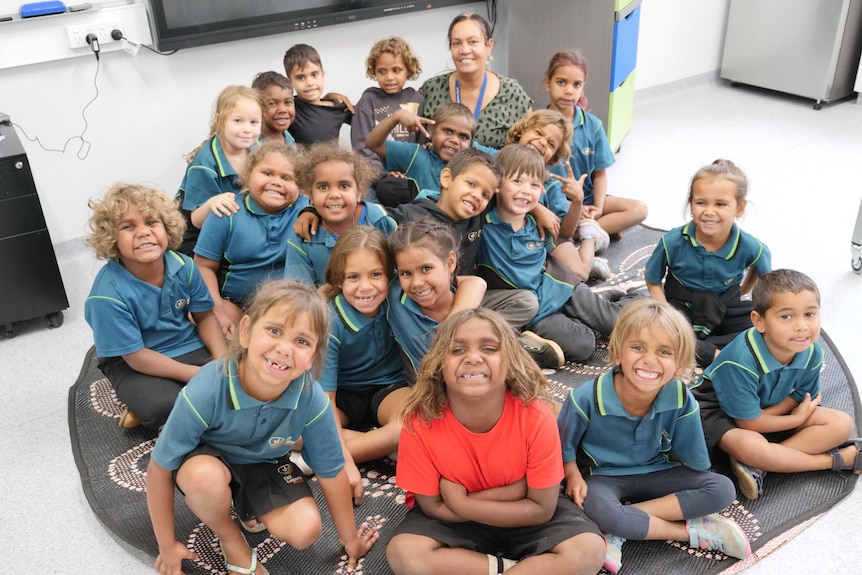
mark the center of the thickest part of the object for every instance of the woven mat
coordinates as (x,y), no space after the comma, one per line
(113,461)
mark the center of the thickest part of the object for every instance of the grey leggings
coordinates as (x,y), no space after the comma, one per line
(699,492)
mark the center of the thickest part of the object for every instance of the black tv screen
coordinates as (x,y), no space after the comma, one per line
(188,23)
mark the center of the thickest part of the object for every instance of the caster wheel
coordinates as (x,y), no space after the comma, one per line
(816,105)
(54,319)
(856,264)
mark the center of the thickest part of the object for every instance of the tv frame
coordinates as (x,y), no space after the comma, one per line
(167,38)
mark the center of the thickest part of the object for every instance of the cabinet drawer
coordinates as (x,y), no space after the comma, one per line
(624,55)
(16,180)
(30,283)
(20,216)
(620,111)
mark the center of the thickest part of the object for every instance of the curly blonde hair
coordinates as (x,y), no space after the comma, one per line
(363,171)
(353,240)
(544,118)
(149,200)
(427,397)
(225,102)
(397,47)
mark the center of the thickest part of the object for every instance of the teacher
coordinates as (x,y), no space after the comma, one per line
(497,102)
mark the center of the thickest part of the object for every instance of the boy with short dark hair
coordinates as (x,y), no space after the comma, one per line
(318,118)
(760,398)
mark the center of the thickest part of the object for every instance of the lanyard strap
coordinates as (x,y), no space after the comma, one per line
(481,95)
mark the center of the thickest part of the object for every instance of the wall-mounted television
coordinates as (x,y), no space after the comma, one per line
(188,23)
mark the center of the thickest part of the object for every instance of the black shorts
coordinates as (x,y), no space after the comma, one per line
(360,404)
(258,488)
(511,542)
(716,423)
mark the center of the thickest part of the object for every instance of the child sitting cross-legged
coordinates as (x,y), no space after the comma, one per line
(760,398)
(634,434)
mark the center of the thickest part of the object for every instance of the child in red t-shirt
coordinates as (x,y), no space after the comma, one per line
(480,458)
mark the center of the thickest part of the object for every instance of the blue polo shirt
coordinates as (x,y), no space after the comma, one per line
(413,330)
(595,428)
(128,314)
(679,253)
(518,258)
(590,151)
(420,165)
(209,174)
(250,244)
(747,377)
(214,409)
(554,199)
(361,351)
(306,261)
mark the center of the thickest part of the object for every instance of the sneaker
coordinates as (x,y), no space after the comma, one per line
(718,533)
(750,479)
(601,269)
(591,230)
(128,419)
(614,553)
(545,352)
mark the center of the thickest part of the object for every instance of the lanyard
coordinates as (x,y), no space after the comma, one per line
(481,95)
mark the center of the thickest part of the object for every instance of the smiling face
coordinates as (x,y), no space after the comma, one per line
(647,361)
(565,88)
(469,48)
(714,208)
(474,369)
(390,72)
(790,325)
(308,82)
(240,126)
(545,139)
(280,347)
(272,183)
(280,109)
(519,194)
(450,135)
(467,194)
(141,239)
(426,279)
(335,193)
(366,282)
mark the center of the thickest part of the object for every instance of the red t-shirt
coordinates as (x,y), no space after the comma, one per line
(525,441)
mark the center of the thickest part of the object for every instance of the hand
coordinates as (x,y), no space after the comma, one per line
(354,478)
(170,560)
(305,225)
(806,407)
(366,537)
(572,188)
(224,321)
(340,99)
(576,490)
(396,174)
(590,213)
(414,123)
(223,204)
(547,222)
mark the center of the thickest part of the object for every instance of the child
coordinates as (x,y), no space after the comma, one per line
(591,155)
(760,399)
(237,253)
(512,254)
(636,435)
(427,290)
(206,447)
(451,129)
(706,260)
(279,109)
(362,373)
(211,180)
(336,180)
(549,133)
(140,303)
(480,458)
(318,117)
(391,63)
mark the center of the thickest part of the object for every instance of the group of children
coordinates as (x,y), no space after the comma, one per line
(283,310)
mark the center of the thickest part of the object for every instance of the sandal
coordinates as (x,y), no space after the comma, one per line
(256,528)
(254,569)
(838,460)
(750,479)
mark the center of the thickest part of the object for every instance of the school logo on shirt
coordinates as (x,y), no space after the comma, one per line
(276,442)
(729,281)
(665,439)
(533,245)
(474,236)
(181,303)
(588,151)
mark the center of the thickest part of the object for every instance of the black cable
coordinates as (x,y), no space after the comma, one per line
(491,9)
(85,144)
(153,50)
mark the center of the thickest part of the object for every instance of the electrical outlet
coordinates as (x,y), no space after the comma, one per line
(102,30)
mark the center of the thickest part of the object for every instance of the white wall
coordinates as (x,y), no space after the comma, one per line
(152,109)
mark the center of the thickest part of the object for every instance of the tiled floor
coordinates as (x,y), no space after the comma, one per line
(805,192)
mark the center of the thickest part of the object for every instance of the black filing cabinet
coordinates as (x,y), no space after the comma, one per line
(30,282)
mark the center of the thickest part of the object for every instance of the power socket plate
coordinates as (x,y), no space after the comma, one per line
(78,34)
